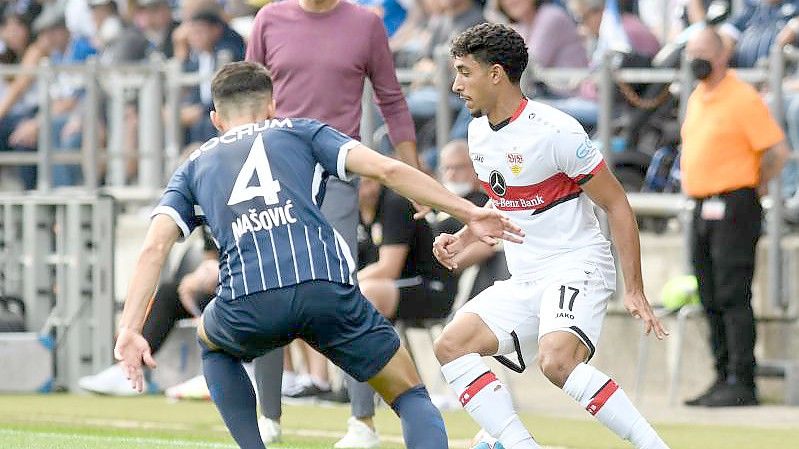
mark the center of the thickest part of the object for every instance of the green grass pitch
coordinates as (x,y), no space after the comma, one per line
(152,422)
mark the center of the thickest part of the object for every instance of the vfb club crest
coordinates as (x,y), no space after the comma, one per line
(515,161)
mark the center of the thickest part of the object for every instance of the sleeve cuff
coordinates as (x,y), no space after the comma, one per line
(582,179)
(172,213)
(341,163)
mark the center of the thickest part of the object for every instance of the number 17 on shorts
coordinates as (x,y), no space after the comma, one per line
(575,302)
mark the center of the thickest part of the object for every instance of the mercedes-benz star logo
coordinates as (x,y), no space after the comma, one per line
(497,183)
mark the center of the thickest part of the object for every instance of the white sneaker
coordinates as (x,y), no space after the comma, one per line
(359,436)
(111,381)
(194,388)
(270,430)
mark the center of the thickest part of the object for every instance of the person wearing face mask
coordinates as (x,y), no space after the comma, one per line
(457,174)
(732,147)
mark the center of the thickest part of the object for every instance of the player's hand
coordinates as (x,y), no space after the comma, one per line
(132,350)
(639,308)
(421,210)
(445,248)
(488,225)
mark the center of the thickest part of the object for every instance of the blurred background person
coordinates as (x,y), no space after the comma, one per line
(728,158)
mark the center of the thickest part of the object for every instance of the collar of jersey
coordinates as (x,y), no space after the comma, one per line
(516,114)
(237,128)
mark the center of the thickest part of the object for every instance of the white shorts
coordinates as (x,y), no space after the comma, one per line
(520,312)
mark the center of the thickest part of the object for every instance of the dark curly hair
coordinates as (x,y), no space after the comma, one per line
(493,43)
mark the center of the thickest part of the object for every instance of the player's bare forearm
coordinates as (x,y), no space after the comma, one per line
(624,231)
(607,193)
(465,235)
(161,236)
(406,152)
(474,254)
(408,182)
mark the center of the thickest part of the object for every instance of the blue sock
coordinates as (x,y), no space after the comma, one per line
(422,424)
(233,395)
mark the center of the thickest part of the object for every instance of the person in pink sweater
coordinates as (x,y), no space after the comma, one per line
(319,53)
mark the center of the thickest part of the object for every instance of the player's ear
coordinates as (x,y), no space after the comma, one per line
(271,108)
(217,121)
(496,73)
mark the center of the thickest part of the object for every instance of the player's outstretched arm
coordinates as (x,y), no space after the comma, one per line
(607,193)
(131,348)
(487,224)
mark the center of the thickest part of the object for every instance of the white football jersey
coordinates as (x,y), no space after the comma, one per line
(531,166)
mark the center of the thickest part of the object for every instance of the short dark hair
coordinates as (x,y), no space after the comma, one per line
(209,17)
(493,43)
(238,82)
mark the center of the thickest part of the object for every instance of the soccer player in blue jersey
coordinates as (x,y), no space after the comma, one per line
(285,273)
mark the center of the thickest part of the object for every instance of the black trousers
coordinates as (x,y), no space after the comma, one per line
(723,255)
(165,312)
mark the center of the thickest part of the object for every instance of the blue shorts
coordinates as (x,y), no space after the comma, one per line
(334,318)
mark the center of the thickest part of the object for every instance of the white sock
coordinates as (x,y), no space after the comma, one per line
(487,401)
(604,399)
(320,383)
(288,382)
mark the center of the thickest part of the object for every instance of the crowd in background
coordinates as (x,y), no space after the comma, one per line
(202,34)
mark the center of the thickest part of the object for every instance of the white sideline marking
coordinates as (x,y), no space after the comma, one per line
(118,439)
(133,424)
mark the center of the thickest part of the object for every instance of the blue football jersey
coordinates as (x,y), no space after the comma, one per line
(259,187)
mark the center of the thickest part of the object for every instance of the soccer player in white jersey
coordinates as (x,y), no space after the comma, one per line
(539,167)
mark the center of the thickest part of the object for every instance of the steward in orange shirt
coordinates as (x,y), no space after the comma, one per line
(732,147)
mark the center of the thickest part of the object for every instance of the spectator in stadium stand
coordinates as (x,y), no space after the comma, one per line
(319,72)
(56,43)
(411,38)
(548,30)
(16,36)
(732,147)
(154,19)
(397,271)
(751,32)
(115,41)
(212,43)
(457,15)
(589,15)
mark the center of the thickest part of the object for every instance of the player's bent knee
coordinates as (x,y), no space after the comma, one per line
(466,334)
(558,355)
(556,367)
(448,347)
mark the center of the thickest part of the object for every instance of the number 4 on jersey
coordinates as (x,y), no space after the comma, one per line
(256,164)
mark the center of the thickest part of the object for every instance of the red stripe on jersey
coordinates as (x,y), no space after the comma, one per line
(582,179)
(602,396)
(476,386)
(519,110)
(536,197)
